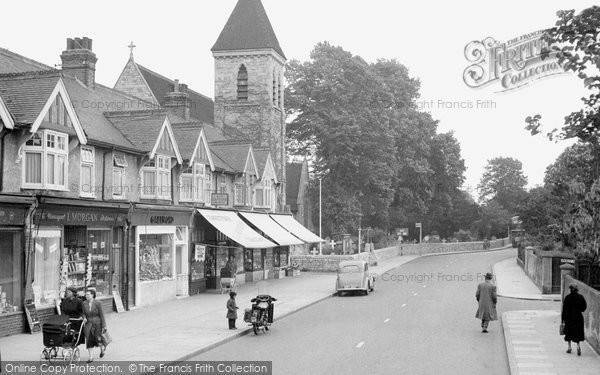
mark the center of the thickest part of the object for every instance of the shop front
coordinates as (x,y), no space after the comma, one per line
(12,264)
(232,248)
(78,246)
(161,253)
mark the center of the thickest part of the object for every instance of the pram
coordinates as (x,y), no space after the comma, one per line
(62,336)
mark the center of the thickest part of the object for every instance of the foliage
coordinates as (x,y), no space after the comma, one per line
(380,160)
(503,182)
(464,236)
(494,221)
(583,218)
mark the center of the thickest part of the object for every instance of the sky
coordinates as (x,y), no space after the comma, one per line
(174,38)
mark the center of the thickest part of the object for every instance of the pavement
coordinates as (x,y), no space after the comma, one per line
(532,341)
(183,328)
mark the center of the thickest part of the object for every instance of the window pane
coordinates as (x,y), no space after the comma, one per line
(62,143)
(50,159)
(47,259)
(50,143)
(86,179)
(35,141)
(62,170)
(156,262)
(10,271)
(149,182)
(259,197)
(186,188)
(33,168)
(118,182)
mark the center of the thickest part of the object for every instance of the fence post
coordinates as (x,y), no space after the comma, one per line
(565,269)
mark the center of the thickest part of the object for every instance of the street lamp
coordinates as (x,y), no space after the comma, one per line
(320,223)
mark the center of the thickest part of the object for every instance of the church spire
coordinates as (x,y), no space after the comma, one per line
(248,28)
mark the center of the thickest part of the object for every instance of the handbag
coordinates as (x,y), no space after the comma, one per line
(106,339)
(561,329)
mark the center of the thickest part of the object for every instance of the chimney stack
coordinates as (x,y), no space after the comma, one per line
(178,101)
(79,61)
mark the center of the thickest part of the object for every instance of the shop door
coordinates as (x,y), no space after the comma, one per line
(182,277)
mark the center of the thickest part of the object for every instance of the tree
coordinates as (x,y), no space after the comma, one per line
(541,211)
(574,164)
(494,221)
(342,110)
(504,182)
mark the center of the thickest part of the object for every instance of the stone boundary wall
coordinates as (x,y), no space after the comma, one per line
(539,267)
(329,263)
(591,316)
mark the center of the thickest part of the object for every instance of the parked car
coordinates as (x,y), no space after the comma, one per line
(354,275)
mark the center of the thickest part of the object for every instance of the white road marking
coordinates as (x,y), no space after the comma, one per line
(360,344)
(387,320)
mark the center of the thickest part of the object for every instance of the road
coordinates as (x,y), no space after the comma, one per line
(419,320)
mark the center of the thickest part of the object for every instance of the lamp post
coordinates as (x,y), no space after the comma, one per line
(320,223)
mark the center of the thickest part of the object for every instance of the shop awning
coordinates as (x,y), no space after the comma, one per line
(295,228)
(272,229)
(231,225)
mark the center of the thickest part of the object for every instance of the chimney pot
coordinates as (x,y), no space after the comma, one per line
(176,88)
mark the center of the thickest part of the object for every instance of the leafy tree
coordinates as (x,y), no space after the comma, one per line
(574,164)
(541,211)
(503,182)
(494,221)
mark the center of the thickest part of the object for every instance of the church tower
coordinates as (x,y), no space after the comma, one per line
(249,82)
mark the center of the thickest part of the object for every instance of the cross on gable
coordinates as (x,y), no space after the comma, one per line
(131,46)
(332,243)
(314,251)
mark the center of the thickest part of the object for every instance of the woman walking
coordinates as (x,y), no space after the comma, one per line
(573,306)
(95,325)
(232,310)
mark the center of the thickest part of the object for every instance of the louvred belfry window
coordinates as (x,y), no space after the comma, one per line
(242,83)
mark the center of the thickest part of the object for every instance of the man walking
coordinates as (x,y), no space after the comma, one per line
(487,298)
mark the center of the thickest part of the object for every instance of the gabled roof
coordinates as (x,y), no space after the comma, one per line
(202,107)
(189,140)
(142,128)
(90,105)
(293,178)
(11,62)
(25,94)
(263,161)
(5,116)
(248,28)
(235,156)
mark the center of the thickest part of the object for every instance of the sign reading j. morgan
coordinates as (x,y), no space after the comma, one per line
(513,64)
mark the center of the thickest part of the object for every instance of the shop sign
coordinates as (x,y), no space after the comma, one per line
(149,217)
(219,199)
(566,260)
(12,216)
(200,253)
(79,216)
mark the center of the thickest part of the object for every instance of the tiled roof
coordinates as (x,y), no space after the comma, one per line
(25,94)
(248,28)
(293,177)
(261,155)
(212,133)
(220,164)
(234,155)
(142,128)
(90,105)
(202,107)
(186,138)
(11,62)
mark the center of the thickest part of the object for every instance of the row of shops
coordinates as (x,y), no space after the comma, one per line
(134,254)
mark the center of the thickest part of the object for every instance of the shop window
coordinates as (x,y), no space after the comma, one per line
(99,243)
(257,260)
(46,266)
(156,257)
(276,258)
(46,161)
(10,272)
(87,172)
(156,178)
(248,260)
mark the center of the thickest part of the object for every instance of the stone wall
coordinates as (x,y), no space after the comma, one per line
(539,267)
(329,263)
(591,316)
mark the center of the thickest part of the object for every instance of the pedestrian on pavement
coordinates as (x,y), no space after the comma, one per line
(232,310)
(487,298)
(95,324)
(573,306)
(71,305)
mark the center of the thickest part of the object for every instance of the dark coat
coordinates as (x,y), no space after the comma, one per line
(487,298)
(231,309)
(95,323)
(573,306)
(73,307)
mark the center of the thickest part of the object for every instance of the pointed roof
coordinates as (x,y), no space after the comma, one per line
(248,28)
(233,155)
(142,128)
(11,62)
(25,94)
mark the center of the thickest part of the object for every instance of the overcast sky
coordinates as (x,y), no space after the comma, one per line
(174,38)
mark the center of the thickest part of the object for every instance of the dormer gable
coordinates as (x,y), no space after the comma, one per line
(269,170)
(165,143)
(250,166)
(7,119)
(202,152)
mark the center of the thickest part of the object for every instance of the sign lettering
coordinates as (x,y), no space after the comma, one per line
(161,220)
